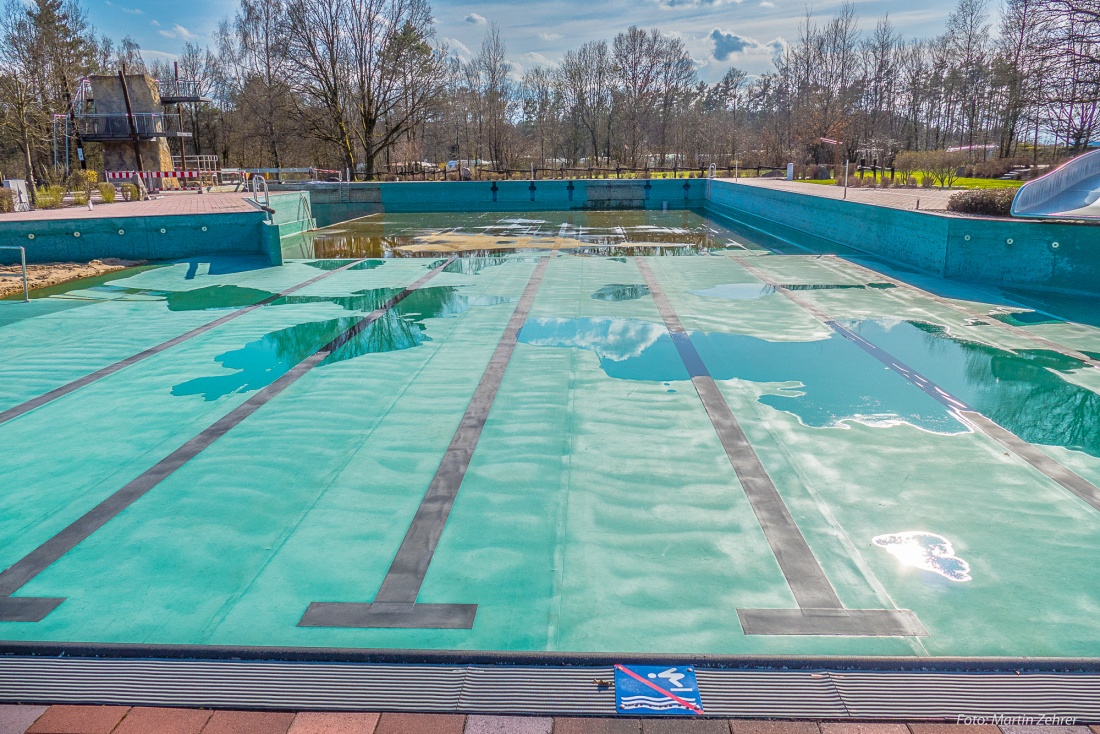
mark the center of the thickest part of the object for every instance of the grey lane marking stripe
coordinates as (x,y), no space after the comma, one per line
(45,555)
(803,572)
(110,369)
(965,311)
(1061,475)
(395,603)
(848,622)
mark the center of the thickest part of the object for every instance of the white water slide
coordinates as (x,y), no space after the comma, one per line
(1071,191)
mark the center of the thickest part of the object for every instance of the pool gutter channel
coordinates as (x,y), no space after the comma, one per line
(70,387)
(841,690)
(1066,478)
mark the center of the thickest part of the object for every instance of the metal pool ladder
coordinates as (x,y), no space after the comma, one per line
(23,265)
(259,182)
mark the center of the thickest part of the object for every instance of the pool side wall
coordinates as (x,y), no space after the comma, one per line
(159,237)
(1012,253)
(1016,253)
(334,203)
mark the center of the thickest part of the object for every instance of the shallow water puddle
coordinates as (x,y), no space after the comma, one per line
(833,382)
(619,292)
(1021,391)
(261,362)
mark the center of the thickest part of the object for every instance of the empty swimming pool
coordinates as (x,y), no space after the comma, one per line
(541,434)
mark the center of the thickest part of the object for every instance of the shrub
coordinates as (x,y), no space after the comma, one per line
(906,163)
(885,182)
(944,167)
(106,192)
(7,201)
(49,197)
(82,182)
(129,192)
(926,181)
(80,199)
(994,168)
(990,202)
(911,182)
(854,182)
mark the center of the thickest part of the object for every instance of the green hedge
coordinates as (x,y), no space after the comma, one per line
(990,202)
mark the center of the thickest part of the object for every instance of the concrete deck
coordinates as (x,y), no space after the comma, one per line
(166,204)
(930,199)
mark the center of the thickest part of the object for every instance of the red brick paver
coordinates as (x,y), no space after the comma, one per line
(597,726)
(249,722)
(846,728)
(685,725)
(79,720)
(335,723)
(16,719)
(150,720)
(954,729)
(508,725)
(420,724)
(751,726)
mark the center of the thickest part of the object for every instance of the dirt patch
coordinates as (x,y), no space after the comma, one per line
(448,242)
(41,275)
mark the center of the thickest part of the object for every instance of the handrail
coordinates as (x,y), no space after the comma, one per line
(179,87)
(1034,194)
(259,182)
(23,264)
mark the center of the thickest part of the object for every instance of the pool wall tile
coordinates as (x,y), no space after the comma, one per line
(1003,252)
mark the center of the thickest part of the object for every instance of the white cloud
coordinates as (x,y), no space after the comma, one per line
(458,48)
(475,19)
(155,24)
(131,11)
(767,4)
(150,55)
(536,58)
(177,31)
(731,44)
(549,36)
(697,3)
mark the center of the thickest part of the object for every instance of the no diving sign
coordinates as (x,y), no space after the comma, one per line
(657,689)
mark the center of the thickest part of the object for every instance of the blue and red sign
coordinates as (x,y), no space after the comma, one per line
(657,689)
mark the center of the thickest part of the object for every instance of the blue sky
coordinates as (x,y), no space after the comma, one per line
(718,33)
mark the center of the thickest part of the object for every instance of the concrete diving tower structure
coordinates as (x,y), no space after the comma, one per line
(125,114)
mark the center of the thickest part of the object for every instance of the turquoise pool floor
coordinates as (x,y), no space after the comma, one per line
(735,453)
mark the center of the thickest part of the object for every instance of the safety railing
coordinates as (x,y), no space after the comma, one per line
(1034,194)
(146,124)
(23,268)
(180,88)
(198,162)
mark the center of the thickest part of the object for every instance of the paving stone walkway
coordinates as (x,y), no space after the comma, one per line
(167,204)
(925,199)
(149,720)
